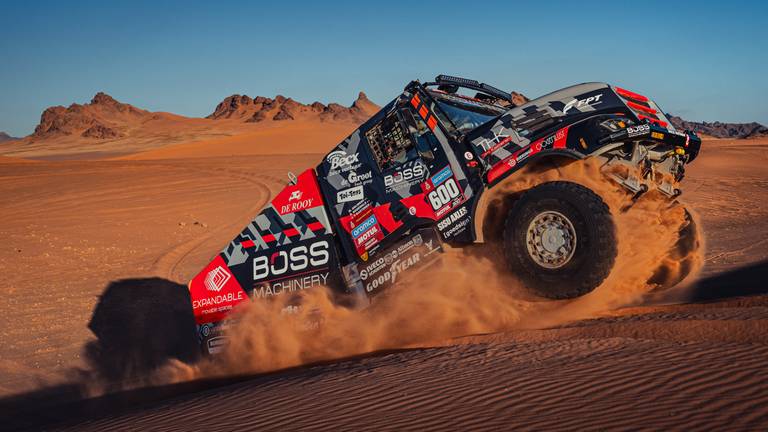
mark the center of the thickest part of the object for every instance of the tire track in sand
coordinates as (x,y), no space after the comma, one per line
(167,265)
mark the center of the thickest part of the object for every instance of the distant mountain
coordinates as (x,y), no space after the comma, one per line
(722,130)
(102,118)
(106,119)
(5,137)
(281,108)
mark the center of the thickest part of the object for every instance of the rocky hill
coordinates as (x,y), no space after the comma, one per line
(5,137)
(281,108)
(722,130)
(102,118)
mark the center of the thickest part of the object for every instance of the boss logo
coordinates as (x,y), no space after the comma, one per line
(638,130)
(406,175)
(296,259)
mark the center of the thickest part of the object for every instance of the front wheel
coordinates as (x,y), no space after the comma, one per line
(560,239)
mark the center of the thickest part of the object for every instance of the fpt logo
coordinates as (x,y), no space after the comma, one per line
(216,279)
(582,103)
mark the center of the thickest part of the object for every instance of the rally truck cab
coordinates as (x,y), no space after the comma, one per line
(382,203)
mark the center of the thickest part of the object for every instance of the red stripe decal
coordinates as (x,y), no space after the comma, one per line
(431,122)
(268,238)
(415,101)
(561,137)
(629,94)
(639,107)
(316,226)
(247,244)
(653,120)
(290,232)
(423,112)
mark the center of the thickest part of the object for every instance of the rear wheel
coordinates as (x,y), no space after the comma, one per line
(559,238)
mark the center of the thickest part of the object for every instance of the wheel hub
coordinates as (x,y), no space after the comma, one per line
(551,239)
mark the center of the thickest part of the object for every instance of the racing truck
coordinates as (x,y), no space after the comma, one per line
(415,177)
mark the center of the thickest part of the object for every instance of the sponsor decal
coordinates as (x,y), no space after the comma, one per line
(304,195)
(217,344)
(295,195)
(364,226)
(340,160)
(412,211)
(297,206)
(445,196)
(441,176)
(216,279)
(386,269)
(582,103)
(214,292)
(657,135)
(350,195)
(468,155)
(457,229)
(678,133)
(361,209)
(411,173)
(452,218)
(497,141)
(290,260)
(634,131)
(219,299)
(367,234)
(558,140)
(454,224)
(354,178)
(289,285)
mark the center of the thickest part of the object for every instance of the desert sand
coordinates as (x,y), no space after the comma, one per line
(141,221)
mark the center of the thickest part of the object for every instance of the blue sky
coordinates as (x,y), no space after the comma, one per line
(702,60)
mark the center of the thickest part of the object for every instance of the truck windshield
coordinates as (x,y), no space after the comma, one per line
(466,114)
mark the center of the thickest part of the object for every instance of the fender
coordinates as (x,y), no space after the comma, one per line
(483,201)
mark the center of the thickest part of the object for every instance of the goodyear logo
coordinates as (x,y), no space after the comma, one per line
(363,227)
(442,176)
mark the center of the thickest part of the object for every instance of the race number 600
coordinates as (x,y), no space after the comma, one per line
(443,194)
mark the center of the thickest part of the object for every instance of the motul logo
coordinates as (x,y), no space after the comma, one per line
(216,279)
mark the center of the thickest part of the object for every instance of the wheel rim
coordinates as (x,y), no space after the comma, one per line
(551,239)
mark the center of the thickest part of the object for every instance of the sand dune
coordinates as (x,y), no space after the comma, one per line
(303,136)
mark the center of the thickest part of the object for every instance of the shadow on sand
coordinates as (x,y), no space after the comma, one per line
(141,323)
(744,281)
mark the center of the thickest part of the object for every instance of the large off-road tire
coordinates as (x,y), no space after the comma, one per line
(560,239)
(682,259)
